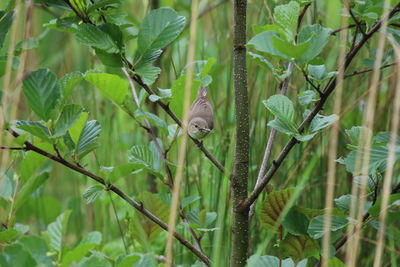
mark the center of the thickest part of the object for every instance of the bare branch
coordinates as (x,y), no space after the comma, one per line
(138,206)
(369,70)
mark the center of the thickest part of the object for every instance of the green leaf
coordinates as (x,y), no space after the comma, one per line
(271,213)
(178,94)
(27,44)
(264,42)
(159,28)
(377,158)
(377,207)
(88,138)
(317,36)
(298,247)
(335,262)
(68,83)
(304,138)
(92,193)
(28,188)
(68,117)
(57,229)
(272,261)
(161,124)
(307,97)
(296,222)
(112,86)
(76,254)
(143,157)
(8,235)
(148,73)
(317,72)
(90,35)
(42,91)
(37,248)
(355,132)
(109,59)
(156,206)
(282,107)
(320,122)
(280,75)
(77,128)
(16,255)
(282,127)
(316,227)
(295,51)
(94,261)
(6,19)
(286,17)
(35,128)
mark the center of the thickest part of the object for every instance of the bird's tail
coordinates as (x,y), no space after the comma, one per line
(202,92)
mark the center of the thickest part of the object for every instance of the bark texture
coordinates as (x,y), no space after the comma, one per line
(239,181)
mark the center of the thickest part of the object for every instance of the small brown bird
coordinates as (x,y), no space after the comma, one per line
(200,115)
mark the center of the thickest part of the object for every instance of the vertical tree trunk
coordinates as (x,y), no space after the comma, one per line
(240,224)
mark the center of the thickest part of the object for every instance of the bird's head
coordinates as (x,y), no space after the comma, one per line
(198,128)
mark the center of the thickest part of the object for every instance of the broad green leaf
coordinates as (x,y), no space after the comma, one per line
(112,86)
(159,28)
(121,171)
(57,229)
(156,206)
(279,74)
(161,124)
(317,36)
(377,207)
(282,127)
(320,122)
(92,193)
(37,248)
(264,42)
(377,158)
(355,132)
(32,162)
(42,91)
(271,213)
(269,27)
(272,261)
(94,261)
(286,17)
(298,247)
(92,238)
(88,138)
(77,128)
(282,107)
(90,35)
(35,128)
(317,72)
(148,73)
(163,94)
(16,255)
(189,200)
(6,19)
(304,137)
(178,94)
(384,137)
(114,32)
(295,51)
(68,117)
(307,97)
(27,44)
(76,254)
(28,188)
(109,59)
(335,262)
(68,83)
(296,222)
(143,157)
(8,235)
(344,203)
(129,260)
(64,24)
(316,227)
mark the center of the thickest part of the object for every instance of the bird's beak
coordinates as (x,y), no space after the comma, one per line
(205,129)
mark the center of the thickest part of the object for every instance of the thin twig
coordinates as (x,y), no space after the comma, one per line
(138,206)
(369,70)
(356,21)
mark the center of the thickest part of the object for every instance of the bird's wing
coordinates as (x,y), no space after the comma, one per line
(203,109)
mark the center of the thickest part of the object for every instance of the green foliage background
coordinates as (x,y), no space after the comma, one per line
(76,97)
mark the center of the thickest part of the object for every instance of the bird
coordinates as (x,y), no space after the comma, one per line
(200,115)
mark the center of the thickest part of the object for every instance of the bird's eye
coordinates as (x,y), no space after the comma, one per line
(196,126)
